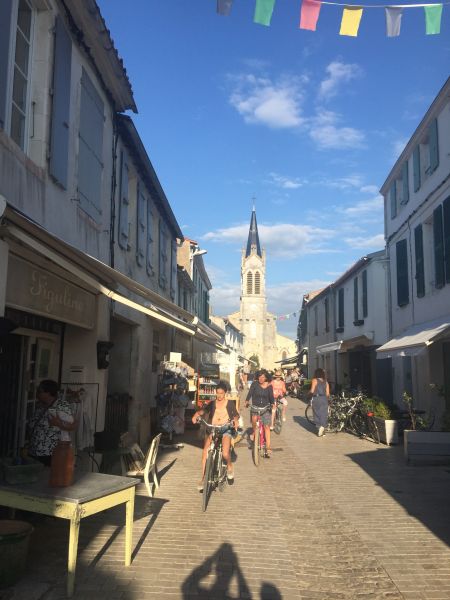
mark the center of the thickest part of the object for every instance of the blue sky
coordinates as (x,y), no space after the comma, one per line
(310,123)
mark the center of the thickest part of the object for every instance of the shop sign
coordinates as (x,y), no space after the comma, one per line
(38,291)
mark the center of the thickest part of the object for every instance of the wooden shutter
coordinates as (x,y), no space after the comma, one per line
(141,219)
(60,117)
(446,219)
(416,168)
(123,201)
(420,272)
(433,145)
(341,307)
(90,151)
(365,307)
(149,239)
(249,282)
(402,273)
(6,7)
(393,197)
(405,183)
(327,323)
(173,269)
(438,235)
(162,255)
(355,299)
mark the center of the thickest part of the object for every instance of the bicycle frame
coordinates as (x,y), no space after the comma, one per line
(215,471)
(260,435)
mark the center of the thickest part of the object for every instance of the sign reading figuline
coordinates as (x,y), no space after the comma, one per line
(36,290)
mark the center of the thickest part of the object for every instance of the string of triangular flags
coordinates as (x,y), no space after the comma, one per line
(351,15)
(288,316)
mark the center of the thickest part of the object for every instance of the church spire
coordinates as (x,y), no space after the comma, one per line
(253,237)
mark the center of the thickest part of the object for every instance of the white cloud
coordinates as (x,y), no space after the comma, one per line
(274,104)
(281,240)
(337,74)
(369,189)
(372,205)
(375,242)
(287,183)
(224,298)
(327,134)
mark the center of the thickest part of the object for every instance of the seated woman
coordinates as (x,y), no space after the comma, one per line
(219,412)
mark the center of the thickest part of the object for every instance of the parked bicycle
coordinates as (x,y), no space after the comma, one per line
(278,421)
(259,443)
(215,470)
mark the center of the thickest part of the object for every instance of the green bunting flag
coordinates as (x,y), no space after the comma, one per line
(263,11)
(433,14)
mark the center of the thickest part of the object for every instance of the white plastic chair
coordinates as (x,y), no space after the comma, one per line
(135,464)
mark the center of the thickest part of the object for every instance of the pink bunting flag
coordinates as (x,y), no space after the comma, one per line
(309,14)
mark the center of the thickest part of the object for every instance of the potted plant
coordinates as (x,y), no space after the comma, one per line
(422,446)
(382,415)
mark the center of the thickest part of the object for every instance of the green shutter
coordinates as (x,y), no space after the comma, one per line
(446,218)
(355,299)
(364,294)
(402,273)
(438,234)
(123,201)
(405,183)
(433,145)
(141,222)
(420,273)
(341,308)
(416,168)
(393,197)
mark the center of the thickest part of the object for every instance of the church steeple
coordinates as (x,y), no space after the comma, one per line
(253,237)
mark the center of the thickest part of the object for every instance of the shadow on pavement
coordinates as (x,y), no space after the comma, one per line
(303,422)
(228,580)
(423,491)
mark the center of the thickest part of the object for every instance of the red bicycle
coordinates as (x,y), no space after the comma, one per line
(259,444)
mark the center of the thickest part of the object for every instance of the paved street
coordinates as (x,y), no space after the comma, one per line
(325,518)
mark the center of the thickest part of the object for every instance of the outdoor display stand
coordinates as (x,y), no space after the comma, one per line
(207,380)
(172,398)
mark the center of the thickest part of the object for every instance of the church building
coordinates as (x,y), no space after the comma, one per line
(253,319)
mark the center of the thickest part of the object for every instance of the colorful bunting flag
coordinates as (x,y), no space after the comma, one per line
(224,7)
(309,14)
(351,18)
(433,14)
(393,20)
(263,11)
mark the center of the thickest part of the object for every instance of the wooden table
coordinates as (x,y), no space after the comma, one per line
(89,494)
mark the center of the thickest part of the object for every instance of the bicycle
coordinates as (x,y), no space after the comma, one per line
(362,423)
(278,421)
(340,408)
(215,476)
(259,443)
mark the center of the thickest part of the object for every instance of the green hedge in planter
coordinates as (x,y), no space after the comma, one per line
(307,384)
(378,407)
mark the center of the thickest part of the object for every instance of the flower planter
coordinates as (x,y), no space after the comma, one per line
(427,447)
(388,430)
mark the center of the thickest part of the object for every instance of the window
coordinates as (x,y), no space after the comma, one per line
(327,317)
(257,282)
(427,158)
(355,299)
(446,220)
(402,273)
(316,321)
(416,168)
(149,253)
(393,199)
(341,308)
(439,258)
(173,270)
(162,255)
(141,222)
(123,202)
(249,282)
(365,308)
(90,150)
(405,184)
(418,250)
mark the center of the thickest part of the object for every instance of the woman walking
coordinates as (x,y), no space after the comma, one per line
(320,393)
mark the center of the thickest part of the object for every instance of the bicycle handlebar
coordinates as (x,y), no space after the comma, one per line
(229,425)
(260,409)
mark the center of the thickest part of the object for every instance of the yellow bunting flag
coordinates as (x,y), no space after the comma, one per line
(351,18)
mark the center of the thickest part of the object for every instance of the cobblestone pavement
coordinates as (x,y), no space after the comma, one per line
(324,519)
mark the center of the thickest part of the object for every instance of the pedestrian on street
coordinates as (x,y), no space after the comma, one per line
(320,393)
(261,394)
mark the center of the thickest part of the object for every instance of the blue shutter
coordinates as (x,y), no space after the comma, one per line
(149,239)
(90,152)
(433,145)
(355,299)
(393,197)
(6,7)
(420,272)
(173,269)
(416,168)
(162,255)
(123,201)
(341,308)
(402,273)
(438,235)
(405,183)
(59,137)
(141,219)
(365,307)
(446,219)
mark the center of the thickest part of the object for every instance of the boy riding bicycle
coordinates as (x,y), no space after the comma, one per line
(219,412)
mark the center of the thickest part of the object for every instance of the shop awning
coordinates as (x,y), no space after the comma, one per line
(415,339)
(288,361)
(359,340)
(96,274)
(326,348)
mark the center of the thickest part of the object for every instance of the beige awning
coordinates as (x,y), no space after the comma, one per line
(415,339)
(359,340)
(331,347)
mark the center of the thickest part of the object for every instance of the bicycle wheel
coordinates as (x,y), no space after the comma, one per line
(309,414)
(357,424)
(372,430)
(278,424)
(256,445)
(262,441)
(207,481)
